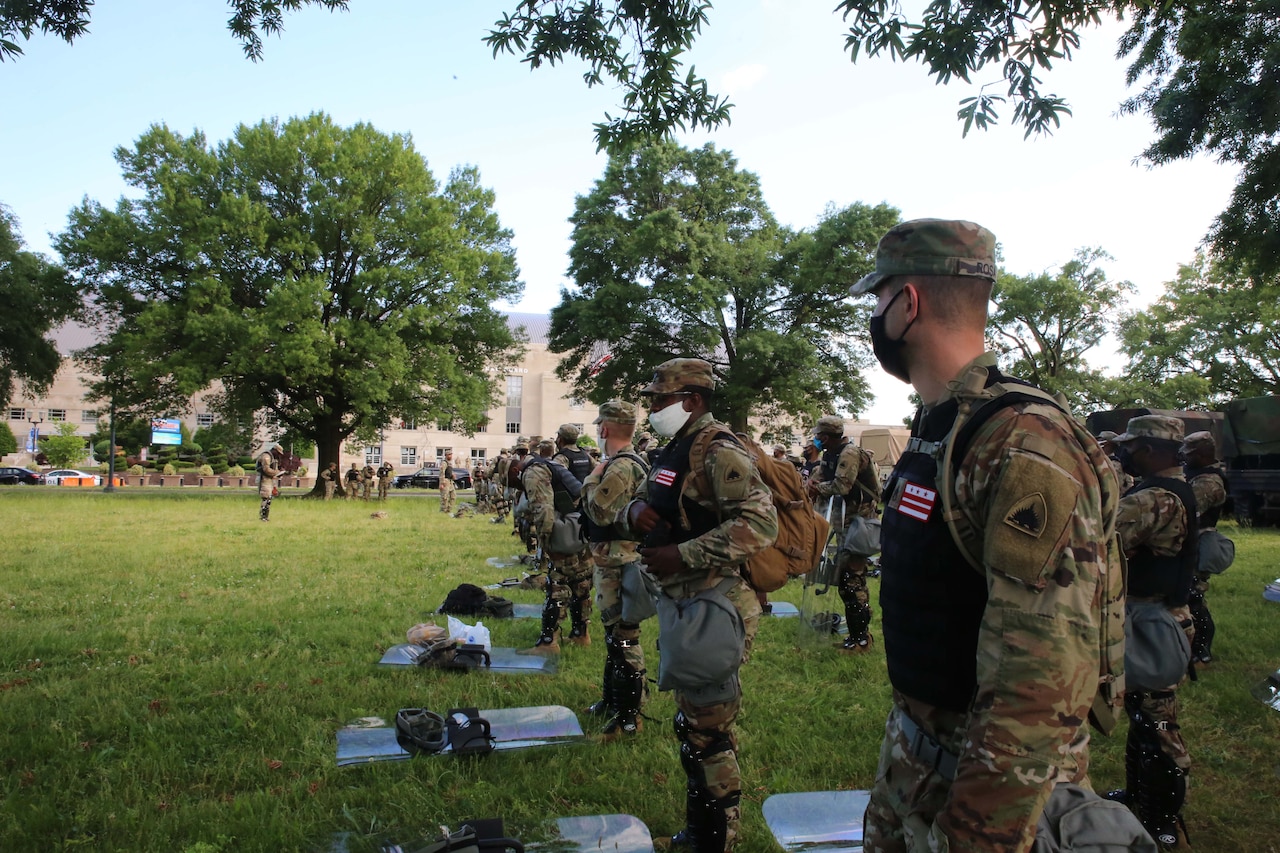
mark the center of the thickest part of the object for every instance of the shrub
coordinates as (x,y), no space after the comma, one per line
(169,469)
(137,469)
(234,471)
(206,471)
(301,472)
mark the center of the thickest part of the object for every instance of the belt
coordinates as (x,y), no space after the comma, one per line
(924,747)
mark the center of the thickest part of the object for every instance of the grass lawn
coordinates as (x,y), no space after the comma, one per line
(174,672)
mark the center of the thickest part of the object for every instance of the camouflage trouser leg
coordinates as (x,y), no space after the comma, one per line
(569,585)
(329,486)
(906,798)
(264,509)
(608,583)
(853,592)
(1202,644)
(383,488)
(1161,707)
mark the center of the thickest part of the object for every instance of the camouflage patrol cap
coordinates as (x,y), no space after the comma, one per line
(568,433)
(932,247)
(546,447)
(1152,426)
(1107,435)
(680,374)
(778,448)
(617,411)
(829,425)
(1202,440)
(644,436)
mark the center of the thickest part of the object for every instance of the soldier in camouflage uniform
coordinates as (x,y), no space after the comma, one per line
(367,478)
(1208,479)
(847,485)
(730,516)
(578,463)
(448,489)
(384,480)
(605,493)
(1107,439)
(1157,527)
(568,575)
(353,482)
(330,477)
(994,668)
(268,460)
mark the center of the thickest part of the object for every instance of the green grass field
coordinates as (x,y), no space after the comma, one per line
(174,672)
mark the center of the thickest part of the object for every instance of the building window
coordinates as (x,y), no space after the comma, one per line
(408,456)
(442,426)
(17,414)
(579,428)
(89,416)
(409,424)
(440,452)
(477,456)
(576,403)
(373,455)
(484,426)
(57,414)
(515,391)
(513,428)
(204,420)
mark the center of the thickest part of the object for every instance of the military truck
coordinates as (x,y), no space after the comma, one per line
(1117,419)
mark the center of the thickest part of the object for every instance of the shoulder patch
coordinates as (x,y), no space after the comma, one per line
(1028,515)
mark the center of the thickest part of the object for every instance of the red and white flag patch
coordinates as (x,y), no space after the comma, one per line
(917,501)
(665,477)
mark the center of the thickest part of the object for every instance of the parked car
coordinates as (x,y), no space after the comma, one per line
(55,478)
(25,476)
(428,477)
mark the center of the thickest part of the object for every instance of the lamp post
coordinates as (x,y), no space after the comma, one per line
(35,437)
(111,451)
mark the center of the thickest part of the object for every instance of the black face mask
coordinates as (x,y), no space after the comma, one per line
(1125,457)
(889,352)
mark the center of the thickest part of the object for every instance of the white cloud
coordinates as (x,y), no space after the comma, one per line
(742,79)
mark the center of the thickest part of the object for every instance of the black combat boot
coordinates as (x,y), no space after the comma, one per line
(578,633)
(605,706)
(549,641)
(628,694)
(858,618)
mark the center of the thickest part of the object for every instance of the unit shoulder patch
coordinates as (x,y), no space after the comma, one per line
(1028,515)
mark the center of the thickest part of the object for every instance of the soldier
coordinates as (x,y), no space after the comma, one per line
(605,493)
(1157,526)
(448,489)
(498,484)
(1208,479)
(993,667)
(730,516)
(647,447)
(847,484)
(568,575)
(779,452)
(812,460)
(579,464)
(384,479)
(353,482)
(330,477)
(367,477)
(1107,439)
(268,459)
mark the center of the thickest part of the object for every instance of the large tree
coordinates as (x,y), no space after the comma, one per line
(1214,329)
(313,271)
(36,295)
(675,253)
(1045,324)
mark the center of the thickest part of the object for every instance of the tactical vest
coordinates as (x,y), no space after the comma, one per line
(827,473)
(932,601)
(579,462)
(565,489)
(1168,577)
(665,486)
(611,532)
(1208,517)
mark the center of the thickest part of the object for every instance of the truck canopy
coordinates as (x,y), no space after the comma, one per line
(885,444)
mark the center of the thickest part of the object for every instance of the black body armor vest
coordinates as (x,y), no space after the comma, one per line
(1169,577)
(665,484)
(580,464)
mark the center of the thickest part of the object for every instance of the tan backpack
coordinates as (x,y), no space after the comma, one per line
(802,533)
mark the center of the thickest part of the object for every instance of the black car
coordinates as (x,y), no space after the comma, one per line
(428,477)
(25,476)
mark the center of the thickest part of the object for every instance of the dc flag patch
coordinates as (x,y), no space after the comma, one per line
(917,501)
(665,477)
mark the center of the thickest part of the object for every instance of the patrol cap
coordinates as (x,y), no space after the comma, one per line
(932,247)
(643,437)
(1152,426)
(829,425)
(568,432)
(1107,435)
(778,448)
(1202,440)
(546,447)
(618,411)
(680,374)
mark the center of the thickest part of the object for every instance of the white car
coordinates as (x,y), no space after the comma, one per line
(55,478)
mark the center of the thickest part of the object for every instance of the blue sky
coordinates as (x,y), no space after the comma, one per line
(815,128)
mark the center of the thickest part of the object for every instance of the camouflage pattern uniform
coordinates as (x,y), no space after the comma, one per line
(267,473)
(566,450)
(1107,438)
(748,523)
(384,480)
(605,494)
(353,482)
(1210,490)
(1154,520)
(568,575)
(448,491)
(841,496)
(994,671)
(367,477)
(330,477)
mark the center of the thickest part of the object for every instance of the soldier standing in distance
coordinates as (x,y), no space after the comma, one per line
(330,477)
(353,482)
(384,479)
(605,494)
(1157,526)
(367,476)
(448,490)
(993,670)
(1208,479)
(848,483)
(730,517)
(268,460)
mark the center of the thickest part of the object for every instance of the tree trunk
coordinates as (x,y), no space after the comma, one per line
(328,438)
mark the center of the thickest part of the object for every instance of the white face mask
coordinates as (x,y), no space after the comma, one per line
(667,422)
